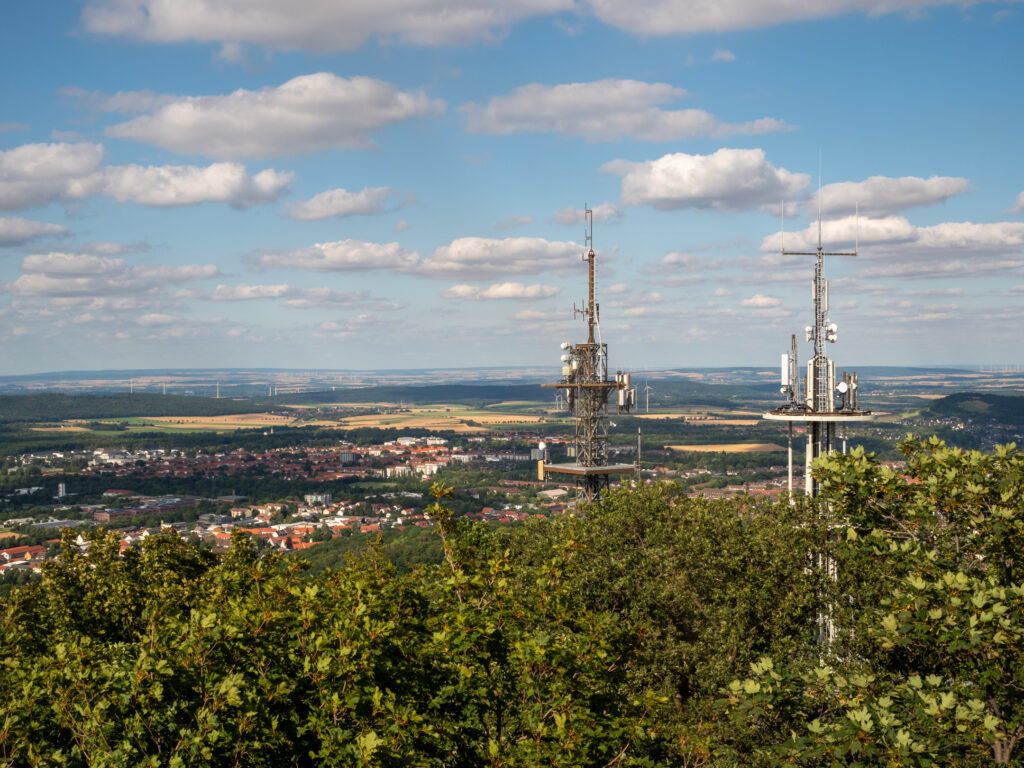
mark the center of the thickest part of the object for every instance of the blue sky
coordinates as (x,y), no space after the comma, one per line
(399,183)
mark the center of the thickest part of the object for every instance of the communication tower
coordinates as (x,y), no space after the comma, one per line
(586,388)
(822,402)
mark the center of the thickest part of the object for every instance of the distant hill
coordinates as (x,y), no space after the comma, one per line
(53,406)
(664,394)
(980,406)
(472,394)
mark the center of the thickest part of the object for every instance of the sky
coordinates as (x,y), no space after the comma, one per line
(400,183)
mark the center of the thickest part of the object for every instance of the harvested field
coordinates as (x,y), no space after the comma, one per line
(441,417)
(236,421)
(728,448)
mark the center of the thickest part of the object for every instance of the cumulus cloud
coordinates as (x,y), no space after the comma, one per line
(481,257)
(306,114)
(602,212)
(660,18)
(882,195)
(249,292)
(341,256)
(36,174)
(729,179)
(318,25)
(15,231)
(300,298)
(151,319)
(760,301)
(604,110)
(502,291)
(894,234)
(60,274)
(173,185)
(339,203)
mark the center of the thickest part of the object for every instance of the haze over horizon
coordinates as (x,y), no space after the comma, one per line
(364,186)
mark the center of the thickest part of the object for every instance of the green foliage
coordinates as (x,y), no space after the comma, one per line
(929,608)
(648,630)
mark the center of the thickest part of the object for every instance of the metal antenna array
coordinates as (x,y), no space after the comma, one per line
(824,402)
(586,388)
(821,403)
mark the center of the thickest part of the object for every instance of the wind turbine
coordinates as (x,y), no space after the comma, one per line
(647,396)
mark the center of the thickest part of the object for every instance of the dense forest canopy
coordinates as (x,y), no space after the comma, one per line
(56,406)
(652,630)
(980,406)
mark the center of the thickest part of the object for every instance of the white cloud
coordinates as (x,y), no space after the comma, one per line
(173,185)
(305,298)
(318,25)
(760,301)
(340,203)
(87,275)
(729,179)
(659,18)
(155,319)
(896,235)
(481,258)
(36,174)
(1019,207)
(844,233)
(680,261)
(502,291)
(604,110)
(602,212)
(300,298)
(15,231)
(881,195)
(723,56)
(305,114)
(249,292)
(341,256)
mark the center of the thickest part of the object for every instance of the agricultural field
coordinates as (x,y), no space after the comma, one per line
(728,448)
(731,419)
(452,418)
(224,423)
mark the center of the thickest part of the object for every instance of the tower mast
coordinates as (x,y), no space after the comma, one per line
(586,386)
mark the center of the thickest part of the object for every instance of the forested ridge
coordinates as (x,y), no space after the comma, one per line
(653,630)
(56,406)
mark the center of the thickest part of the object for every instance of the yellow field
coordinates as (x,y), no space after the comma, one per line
(729,448)
(235,421)
(454,418)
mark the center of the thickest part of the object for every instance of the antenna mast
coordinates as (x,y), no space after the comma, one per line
(586,386)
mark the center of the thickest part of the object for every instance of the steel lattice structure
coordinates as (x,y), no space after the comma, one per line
(586,388)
